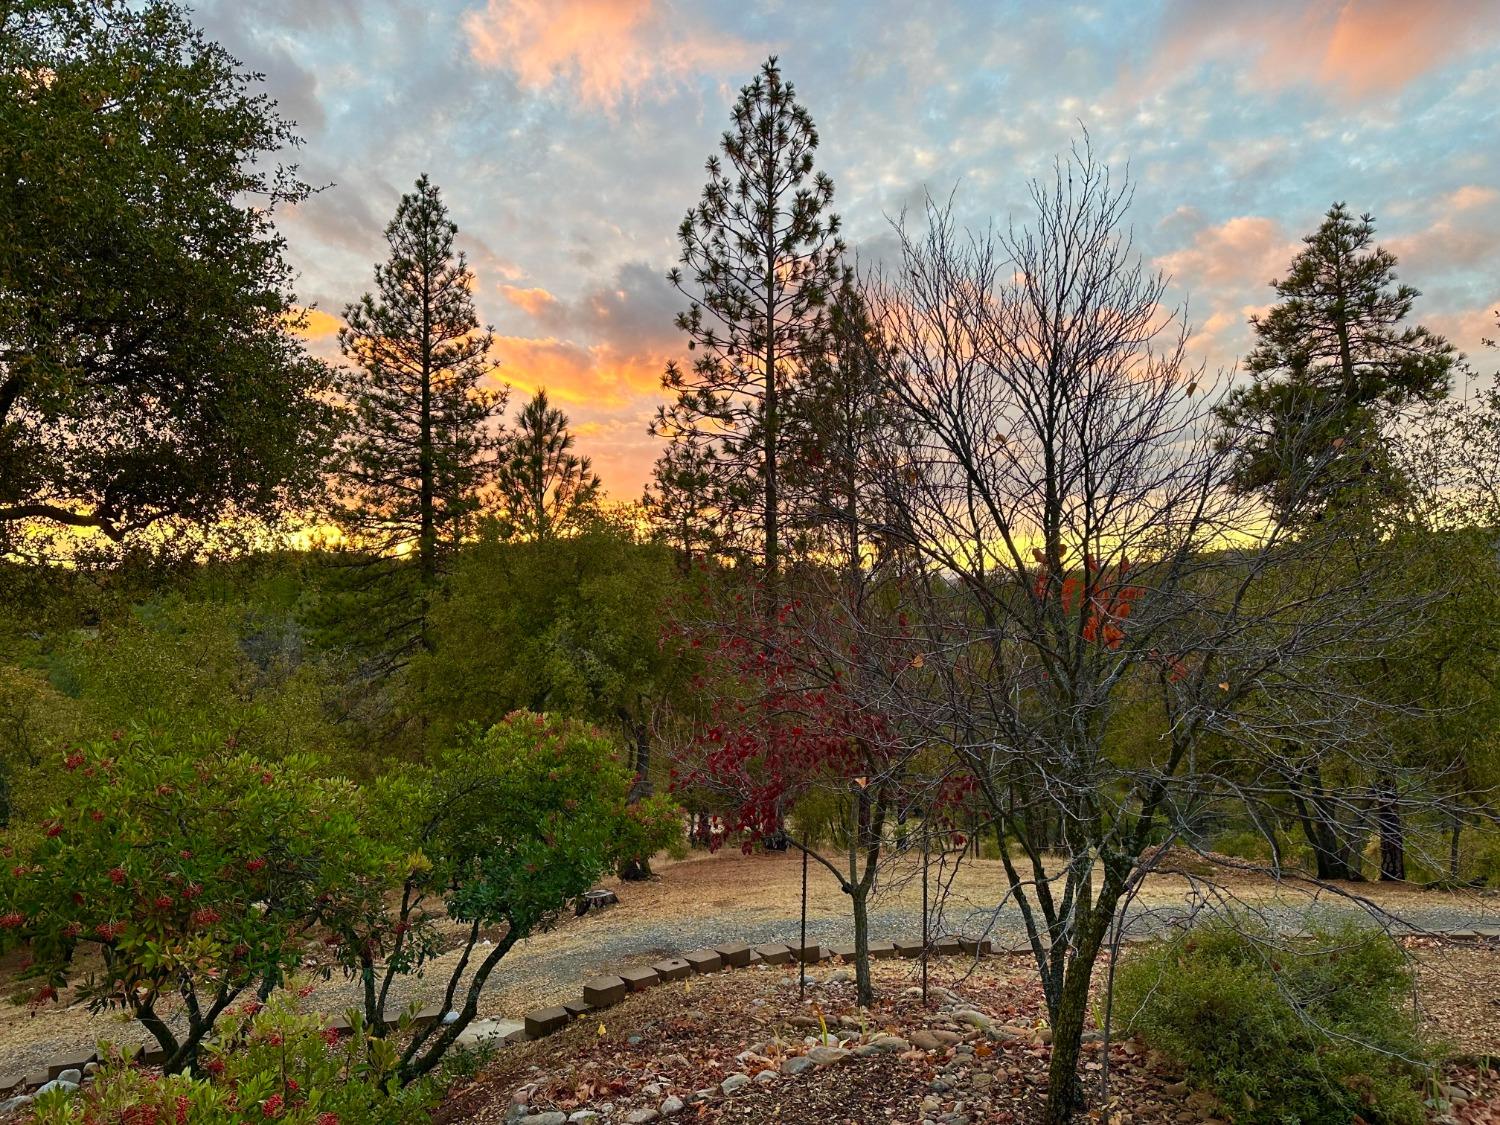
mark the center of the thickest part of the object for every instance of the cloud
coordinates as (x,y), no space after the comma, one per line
(537,303)
(609,396)
(1471,196)
(1468,329)
(597,376)
(319,325)
(1463,235)
(1249,250)
(1354,49)
(1377,46)
(608,50)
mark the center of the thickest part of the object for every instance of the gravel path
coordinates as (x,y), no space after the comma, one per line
(707,901)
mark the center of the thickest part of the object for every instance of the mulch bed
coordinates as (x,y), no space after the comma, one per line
(977,1053)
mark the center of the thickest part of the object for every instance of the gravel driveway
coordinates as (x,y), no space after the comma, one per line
(705,901)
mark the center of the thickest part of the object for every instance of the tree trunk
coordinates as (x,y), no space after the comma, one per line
(1454,835)
(1392,836)
(426,467)
(637,869)
(864,988)
(1064,1088)
(1332,852)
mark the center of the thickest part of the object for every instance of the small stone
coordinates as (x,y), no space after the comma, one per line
(551,1117)
(10,1105)
(948,1038)
(734,1082)
(633,1040)
(796,1065)
(583,1115)
(1175,1090)
(72,1074)
(973,1018)
(827,1056)
(892,1043)
(651,1090)
(925,1039)
(1044,1035)
(982,1081)
(765,1077)
(640,1116)
(57,1084)
(671,1106)
(839,976)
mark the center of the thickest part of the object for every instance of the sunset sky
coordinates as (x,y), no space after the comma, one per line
(569,136)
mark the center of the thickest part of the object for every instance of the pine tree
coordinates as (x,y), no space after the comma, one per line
(1333,365)
(839,427)
(544,487)
(423,430)
(761,257)
(1331,361)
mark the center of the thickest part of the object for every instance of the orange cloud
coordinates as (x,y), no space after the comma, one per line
(595,375)
(1380,45)
(318,325)
(533,302)
(1468,329)
(1356,49)
(609,49)
(1470,196)
(610,396)
(1240,252)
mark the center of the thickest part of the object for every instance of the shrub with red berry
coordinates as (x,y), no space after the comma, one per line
(263,1064)
(189,872)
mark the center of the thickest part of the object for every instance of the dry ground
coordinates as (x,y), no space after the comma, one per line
(706,900)
(682,1041)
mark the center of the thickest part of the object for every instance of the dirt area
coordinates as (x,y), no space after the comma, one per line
(977,1052)
(706,900)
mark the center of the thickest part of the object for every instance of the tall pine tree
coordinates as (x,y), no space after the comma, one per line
(761,258)
(1334,363)
(421,445)
(1332,359)
(544,486)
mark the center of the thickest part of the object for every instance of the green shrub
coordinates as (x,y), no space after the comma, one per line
(1482,854)
(1307,1032)
(180,872)
(505,828)
(265,1064)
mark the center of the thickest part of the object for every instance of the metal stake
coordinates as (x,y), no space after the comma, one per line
(925,935)
(802,952)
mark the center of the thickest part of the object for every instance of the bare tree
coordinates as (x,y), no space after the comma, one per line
(1112,637)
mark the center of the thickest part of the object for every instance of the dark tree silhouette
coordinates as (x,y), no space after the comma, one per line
(1329,357)
(761,257)
(421,445)
(148,375)
(545,488)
